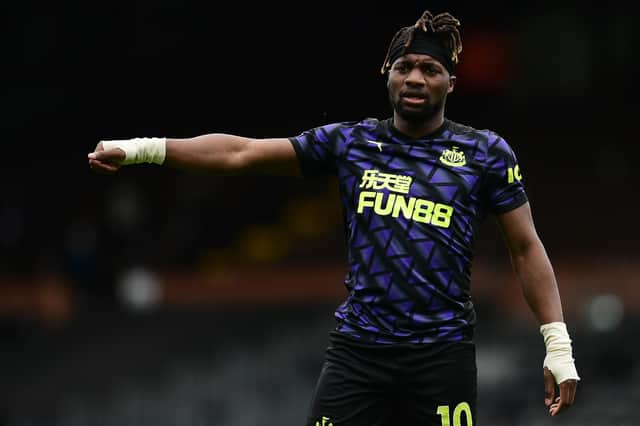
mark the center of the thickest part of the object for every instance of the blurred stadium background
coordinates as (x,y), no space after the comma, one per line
(158,297)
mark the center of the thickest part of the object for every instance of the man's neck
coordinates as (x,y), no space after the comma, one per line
(418,129)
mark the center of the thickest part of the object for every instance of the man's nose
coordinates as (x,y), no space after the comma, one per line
(415,76)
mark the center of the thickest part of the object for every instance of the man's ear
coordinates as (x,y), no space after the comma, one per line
(452,83)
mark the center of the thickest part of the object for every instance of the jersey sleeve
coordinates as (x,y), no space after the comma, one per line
(505,190)
(317,149)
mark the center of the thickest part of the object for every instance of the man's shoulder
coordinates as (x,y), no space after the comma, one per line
(365,123)
(487,140)
(368,123)
(470,131)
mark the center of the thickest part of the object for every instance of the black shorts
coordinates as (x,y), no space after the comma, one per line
(363,384)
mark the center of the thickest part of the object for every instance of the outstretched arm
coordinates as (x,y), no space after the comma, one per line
(537,279)
(216,153)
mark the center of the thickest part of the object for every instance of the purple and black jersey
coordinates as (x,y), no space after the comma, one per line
(411,209)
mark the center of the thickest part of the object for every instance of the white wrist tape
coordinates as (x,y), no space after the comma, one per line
(140,150)
(559,359)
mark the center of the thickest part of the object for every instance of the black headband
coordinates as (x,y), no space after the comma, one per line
(425,44)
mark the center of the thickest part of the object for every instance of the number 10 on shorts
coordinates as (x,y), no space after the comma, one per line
(463,407)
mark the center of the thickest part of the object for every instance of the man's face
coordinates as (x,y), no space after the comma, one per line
(418,86)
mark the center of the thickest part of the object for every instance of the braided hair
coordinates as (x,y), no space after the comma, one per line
(443,25)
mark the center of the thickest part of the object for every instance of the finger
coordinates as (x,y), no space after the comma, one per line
(100,167)
(111,155)
(103,165)
(557,407)
(103,170)
(549,387)
(104,161)
(568,391)
(566,398)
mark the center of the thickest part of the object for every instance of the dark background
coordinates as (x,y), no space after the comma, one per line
(166,297)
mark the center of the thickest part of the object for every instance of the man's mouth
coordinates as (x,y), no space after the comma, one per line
(413,98)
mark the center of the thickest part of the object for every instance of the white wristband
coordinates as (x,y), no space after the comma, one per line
(559,359)
(140,150)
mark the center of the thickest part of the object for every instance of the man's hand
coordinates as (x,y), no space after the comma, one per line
(559,367)
(567,393)
(106,162)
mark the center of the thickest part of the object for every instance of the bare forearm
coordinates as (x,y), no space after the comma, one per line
(216,153)
(537,278)
(221,153)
